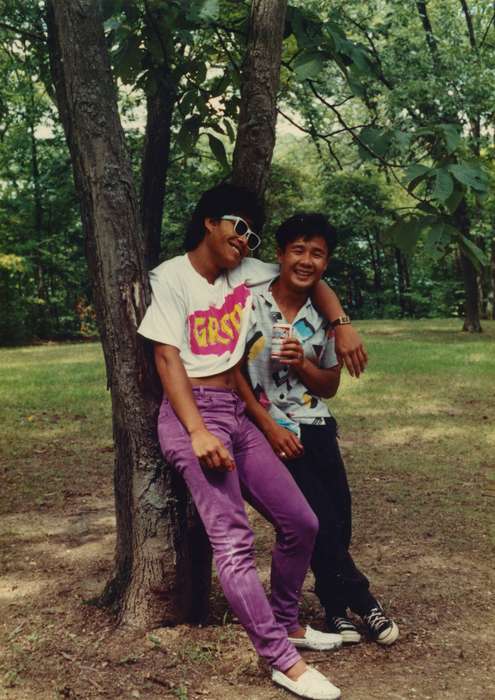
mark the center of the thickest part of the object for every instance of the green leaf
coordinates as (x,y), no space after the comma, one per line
(188,102)
(230,130)
(309,64)
(218,150)
(306,28)
(216,127)
(356,87)
(469,175)
(112,23)
(428,209)
(188,135)
(405,234)
(402,140)
(473,252)
(416,170)
(444,186)
(209,11)
(203,11)
(128,59)
(438,236)
(455,198)
(452,136)
(424,131)
(376,139)
(221,84)
(361,61)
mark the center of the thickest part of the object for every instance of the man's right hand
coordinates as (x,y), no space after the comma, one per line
(285,443)
(211,451)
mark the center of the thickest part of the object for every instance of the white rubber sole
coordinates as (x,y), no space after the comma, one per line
(317,646)
(389,636)
(317,641)
(350,637)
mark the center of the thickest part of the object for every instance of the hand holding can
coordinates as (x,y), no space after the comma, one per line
(280,332)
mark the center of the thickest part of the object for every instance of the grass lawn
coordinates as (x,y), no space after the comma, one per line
(418,436)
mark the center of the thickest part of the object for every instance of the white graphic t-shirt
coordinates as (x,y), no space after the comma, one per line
(208,323)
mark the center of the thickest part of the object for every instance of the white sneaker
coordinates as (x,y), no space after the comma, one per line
(345,627)
(317,641)
(310,684)
(381,628)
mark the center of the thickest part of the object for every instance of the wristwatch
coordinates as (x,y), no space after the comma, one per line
(340,321)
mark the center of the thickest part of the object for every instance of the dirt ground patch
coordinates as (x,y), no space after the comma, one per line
(55,645)
(418,443)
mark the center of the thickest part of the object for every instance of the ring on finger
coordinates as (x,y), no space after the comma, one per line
(282,454)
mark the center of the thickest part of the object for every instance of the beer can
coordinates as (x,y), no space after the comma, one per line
(280,332)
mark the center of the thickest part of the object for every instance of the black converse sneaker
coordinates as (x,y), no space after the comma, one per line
(381,628)
(345,627)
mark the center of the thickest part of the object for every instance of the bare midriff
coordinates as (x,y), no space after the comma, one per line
(224,380)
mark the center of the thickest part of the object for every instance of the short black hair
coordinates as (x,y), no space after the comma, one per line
(306,225)
(218,201)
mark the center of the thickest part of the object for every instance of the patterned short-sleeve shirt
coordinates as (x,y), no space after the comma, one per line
(278,387)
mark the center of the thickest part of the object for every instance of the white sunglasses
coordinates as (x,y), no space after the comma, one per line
(242,229)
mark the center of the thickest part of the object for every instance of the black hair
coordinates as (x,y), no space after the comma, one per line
(218,201)
(306,225)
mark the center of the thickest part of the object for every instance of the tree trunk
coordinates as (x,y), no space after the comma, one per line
(402,282)
(38,215)
(260,78)
(151,516)
(375,264)
(469,275)
(430,37)
(490,312)
(160,107)
(471,307)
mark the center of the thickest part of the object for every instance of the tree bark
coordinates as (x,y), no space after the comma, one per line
(490,311)
(402,282)
(375,264)
(37,203)
(472,302)
(428,29)
(469,25)
(471,307)
(158,135)
(259,84)
(152,536)
(160,107)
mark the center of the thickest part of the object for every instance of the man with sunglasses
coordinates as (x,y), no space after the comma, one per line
(198,320)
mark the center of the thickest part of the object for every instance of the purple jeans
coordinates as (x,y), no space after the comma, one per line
(262,480)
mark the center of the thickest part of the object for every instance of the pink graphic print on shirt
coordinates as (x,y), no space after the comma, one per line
(216,330)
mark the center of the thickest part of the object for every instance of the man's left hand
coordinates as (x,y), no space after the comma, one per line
(350,350)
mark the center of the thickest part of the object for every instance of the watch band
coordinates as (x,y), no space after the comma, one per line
(340,321)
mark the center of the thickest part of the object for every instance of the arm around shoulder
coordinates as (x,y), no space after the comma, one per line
(348,343)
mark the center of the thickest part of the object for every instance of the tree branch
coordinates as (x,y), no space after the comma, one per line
(374,51)
(227,52)
(469,23)
(361,143)
(485,34)
(430,37)
(22,32)
(334,156)
(314,132)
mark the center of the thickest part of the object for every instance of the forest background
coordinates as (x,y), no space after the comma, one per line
(385,123)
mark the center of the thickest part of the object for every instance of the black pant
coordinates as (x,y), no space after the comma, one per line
(320,474)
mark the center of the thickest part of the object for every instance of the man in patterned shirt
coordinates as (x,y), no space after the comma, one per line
(284,397)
